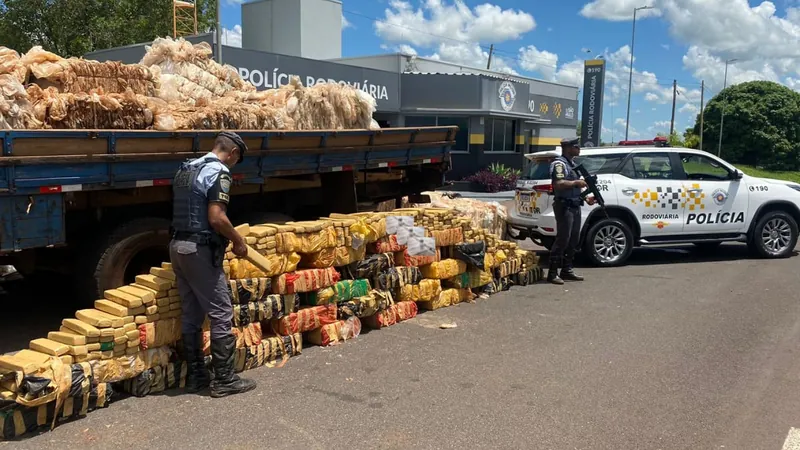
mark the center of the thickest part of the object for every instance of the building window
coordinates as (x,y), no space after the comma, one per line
(462,137)
(499,135)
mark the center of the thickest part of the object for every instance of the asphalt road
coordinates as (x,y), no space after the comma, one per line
(674,351)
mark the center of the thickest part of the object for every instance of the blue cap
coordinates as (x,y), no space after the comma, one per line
(570,142)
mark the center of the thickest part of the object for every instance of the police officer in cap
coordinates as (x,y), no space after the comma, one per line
(567,187)
(201,232)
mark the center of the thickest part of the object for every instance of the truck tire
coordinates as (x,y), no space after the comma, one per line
(115,258)
(774,236)
(608,243)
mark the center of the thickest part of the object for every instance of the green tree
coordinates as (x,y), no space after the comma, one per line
(578,129)
(690,139)
(76,27)
(761,128)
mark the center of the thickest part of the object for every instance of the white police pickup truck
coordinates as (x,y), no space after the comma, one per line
(658,196)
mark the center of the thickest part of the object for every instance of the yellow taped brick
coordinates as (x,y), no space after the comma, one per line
(153,317)
(66,359)
(132,335)
(140,320)
(81,327)
(166,266)
(109,307)
(133,344)
(49,347)
(119,332)
(121,340)
(163,302)
(67,338)
(132,351)
(174,306)
(154,282)
(163,273)
(79,350)
(130,327)
(126,299)
(98,319)
(151,310)
(175,299)
(174,293)
(104,339)
(146,296)
(93,347)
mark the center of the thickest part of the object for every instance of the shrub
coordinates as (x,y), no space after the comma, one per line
(494,182)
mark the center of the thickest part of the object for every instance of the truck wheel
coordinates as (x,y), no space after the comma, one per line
(774,236)
(115,258)
(608,243)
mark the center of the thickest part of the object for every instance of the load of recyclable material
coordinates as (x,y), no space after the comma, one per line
(76,75)
(131,338)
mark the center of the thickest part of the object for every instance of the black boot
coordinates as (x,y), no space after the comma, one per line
(552,274)
(197,377)
(226,382)
(569,275)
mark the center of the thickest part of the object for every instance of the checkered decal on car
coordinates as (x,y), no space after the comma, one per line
(670,198)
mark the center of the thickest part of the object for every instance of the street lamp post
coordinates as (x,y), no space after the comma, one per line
(722,108)
(630,76)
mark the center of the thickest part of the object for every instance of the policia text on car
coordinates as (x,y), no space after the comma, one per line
(567,187)
(201,232)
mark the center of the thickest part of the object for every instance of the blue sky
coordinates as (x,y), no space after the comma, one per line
(683,40)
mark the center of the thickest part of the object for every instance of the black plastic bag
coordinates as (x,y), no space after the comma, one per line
(472,254)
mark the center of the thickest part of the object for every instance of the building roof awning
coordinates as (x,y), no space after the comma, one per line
(473,74)
(529,118)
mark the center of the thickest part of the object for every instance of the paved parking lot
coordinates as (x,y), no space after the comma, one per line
(676,350)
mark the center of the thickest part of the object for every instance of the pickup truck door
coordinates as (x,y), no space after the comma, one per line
(648,185)
(717,202)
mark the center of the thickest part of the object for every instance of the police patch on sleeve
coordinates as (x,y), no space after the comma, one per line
(558,170)
(220,191)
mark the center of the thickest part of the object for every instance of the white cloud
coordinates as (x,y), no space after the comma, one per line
(651,97)
(620,121)
(232,38)
(535,60)
(690,108)
(616,10)
(762,37)
(660,126)
(346,23)
(454,32)
(665,46)
(437,21)
(235,2)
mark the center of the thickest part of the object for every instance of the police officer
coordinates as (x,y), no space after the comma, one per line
(567,187)
(201,232)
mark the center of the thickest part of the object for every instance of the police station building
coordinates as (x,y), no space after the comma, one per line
(500,117)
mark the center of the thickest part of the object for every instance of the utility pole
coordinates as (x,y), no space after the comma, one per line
(219,31)
(630,76)
(722,108)
(489,63)
(702,98)
(674,95)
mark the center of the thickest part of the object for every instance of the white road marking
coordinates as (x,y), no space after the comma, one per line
(792,441)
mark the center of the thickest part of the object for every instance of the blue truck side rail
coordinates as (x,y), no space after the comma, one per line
(37,166)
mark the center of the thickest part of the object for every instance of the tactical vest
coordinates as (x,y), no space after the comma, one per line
(190,204)
(570,175)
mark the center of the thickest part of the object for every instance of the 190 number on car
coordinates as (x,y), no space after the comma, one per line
(759,188)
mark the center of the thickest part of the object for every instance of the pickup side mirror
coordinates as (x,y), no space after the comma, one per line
(737,175)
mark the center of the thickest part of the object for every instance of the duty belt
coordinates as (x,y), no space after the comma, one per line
(197,238)
(569,201)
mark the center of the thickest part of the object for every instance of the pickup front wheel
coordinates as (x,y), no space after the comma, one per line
(774,236)
(608,243)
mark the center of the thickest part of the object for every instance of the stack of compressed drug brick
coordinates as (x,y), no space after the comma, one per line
(322,281)
(530,271)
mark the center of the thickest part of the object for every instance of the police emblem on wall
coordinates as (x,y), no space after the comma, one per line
(507,95)
(720,196)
